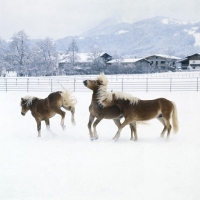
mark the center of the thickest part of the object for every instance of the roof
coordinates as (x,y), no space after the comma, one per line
(164,56)
(193,55)
(127,60)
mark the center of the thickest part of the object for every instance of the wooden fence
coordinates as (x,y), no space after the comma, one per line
(117,83)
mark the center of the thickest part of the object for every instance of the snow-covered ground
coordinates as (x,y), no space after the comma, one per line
(67,165)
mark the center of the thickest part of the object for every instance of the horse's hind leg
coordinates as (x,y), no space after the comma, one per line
(91,119)
(38,127)
(133,130)
(165,127)
(72,109)
(72,116)
(47,124)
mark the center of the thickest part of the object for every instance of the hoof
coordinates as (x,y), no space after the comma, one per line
(64,127)
(74,123)
(91,139)
(96,138)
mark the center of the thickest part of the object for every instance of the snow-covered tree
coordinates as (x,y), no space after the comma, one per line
(19,53)
(44,58)
(98,64)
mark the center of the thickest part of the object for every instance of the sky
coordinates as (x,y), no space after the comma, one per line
(61,18)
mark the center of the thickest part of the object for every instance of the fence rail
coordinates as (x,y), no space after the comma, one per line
(143,84)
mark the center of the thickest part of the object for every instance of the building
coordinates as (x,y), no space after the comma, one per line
(131,65)
(192,61)
(82,63)
(161,62)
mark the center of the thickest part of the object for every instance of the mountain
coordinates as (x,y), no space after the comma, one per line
(155,35)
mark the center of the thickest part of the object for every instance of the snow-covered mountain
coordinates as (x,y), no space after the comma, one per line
(155,35)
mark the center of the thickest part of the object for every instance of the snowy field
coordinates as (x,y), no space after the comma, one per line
(67,165)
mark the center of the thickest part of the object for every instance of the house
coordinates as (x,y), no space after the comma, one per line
(192,61)
(133,65)
(82,62)
(161,62)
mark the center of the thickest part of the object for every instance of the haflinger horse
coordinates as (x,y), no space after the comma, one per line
(98,87)
(137,110)
(43,109)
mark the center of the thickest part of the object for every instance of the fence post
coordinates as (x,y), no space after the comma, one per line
(74,84)
(6,85)
(170,84)
(146,84)
(51,85)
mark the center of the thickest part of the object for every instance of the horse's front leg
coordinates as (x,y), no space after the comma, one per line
(91,119)
(126,122)
(94,126)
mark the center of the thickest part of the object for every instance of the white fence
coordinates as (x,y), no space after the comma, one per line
(125,83)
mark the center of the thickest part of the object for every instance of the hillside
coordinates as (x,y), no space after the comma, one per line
(154,35)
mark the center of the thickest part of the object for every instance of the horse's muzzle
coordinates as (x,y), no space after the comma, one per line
(85,82)
(22,113)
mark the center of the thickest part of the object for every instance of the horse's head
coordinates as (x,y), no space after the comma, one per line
(25,104)
(95,84)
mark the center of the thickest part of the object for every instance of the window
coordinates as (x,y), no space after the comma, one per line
(162,62)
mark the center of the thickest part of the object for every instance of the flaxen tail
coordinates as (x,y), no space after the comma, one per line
(68,99)
(175,119)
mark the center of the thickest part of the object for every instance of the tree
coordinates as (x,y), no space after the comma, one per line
(19,53)
(98,64)
(72,51)
(44,58)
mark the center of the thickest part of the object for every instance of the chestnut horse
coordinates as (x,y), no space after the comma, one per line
(134,109)
(99,86)
(43,109)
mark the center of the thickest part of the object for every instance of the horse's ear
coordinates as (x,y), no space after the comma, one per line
(22,99)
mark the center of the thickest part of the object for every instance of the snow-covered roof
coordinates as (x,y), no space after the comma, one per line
(193,55)
(126,60)
(164,56)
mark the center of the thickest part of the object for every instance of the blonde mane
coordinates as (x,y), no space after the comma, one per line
(102,90)
(124,96)
(28,99)
(103,94)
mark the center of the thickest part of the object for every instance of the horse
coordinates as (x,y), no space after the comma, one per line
(43,109)
(99,86)
(136,110)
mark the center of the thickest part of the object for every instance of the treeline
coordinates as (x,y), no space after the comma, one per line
(41,58)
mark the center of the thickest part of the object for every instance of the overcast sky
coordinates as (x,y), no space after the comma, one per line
(61,18)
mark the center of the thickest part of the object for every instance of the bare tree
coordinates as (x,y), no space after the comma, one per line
(73,53)
(20,52)
(44,58)
(98,64)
